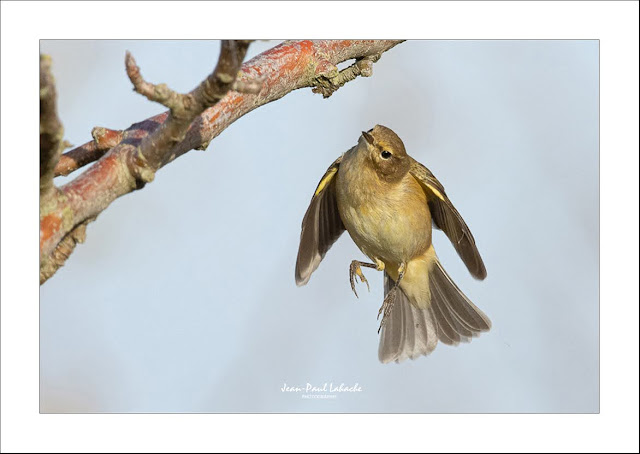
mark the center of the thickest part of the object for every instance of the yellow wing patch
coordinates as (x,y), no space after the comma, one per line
(328,175)
(427,180)
(435,191)
(325,180)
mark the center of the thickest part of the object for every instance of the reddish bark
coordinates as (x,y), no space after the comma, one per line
(49,226)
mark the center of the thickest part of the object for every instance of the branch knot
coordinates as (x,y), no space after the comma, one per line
(329,79)
(140,168)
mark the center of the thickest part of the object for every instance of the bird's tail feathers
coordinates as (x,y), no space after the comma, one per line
(408,332)
(449,316)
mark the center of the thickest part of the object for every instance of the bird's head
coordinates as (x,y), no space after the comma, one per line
(386,152)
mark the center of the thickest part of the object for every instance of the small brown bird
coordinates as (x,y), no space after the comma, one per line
(387,202)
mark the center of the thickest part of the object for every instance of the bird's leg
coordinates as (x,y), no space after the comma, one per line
(390,299)
(355,270)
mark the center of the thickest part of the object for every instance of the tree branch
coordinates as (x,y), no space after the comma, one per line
(51,130)
(153,151)
(197,118)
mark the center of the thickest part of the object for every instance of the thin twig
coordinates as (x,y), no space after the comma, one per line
(104,139)
(327,84)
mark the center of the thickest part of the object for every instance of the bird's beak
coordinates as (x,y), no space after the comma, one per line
(368,137)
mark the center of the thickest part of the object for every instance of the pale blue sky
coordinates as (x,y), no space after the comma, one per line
(183,299)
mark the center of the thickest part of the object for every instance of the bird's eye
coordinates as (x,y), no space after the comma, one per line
(385,154)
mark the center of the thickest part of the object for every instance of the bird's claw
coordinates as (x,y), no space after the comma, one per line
(356,271)
(385,309)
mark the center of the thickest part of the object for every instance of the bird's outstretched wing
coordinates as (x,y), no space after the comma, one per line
(321,226)
(447,219)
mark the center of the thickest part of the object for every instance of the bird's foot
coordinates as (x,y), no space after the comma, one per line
(356,270)
(387,305)
(390,298)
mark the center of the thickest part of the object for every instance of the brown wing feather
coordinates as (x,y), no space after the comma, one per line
(447,219)
(321,226)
